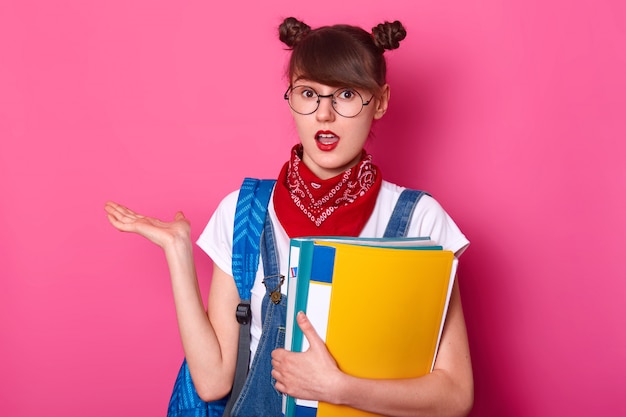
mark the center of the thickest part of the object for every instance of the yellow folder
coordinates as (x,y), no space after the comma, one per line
(389,329)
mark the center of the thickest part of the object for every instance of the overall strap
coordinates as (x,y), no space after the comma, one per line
(272,279)
(268,249)
(398,225)
(250,215)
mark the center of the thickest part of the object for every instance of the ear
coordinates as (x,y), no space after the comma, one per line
(382,102)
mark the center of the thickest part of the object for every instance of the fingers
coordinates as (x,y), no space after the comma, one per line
(308,330)
(119,210)
(121,217)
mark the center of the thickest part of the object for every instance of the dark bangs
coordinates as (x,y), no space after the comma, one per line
(339,56)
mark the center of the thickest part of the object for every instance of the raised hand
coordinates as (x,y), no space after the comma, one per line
(159,232)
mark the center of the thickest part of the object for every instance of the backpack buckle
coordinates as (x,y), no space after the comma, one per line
(244,312)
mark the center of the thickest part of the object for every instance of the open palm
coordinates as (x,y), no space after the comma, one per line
(159,232)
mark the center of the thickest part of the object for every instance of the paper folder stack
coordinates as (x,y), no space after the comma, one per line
(379,304)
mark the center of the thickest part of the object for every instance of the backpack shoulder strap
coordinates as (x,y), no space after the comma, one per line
(398,225)
(254,196)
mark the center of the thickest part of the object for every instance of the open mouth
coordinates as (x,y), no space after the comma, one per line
(326,138)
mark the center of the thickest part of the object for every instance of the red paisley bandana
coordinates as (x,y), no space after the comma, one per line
(340,206)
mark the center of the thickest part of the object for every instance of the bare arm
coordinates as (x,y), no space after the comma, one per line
(209,338)
(447,391)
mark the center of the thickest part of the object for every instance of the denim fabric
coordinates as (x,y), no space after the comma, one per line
(398,225)
(258,396)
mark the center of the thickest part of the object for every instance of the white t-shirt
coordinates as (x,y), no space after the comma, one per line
(429,219)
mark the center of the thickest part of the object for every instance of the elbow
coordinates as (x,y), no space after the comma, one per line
(208,392)
(210,382)
(466,407)
(463,403)
(211,388)
(457,399)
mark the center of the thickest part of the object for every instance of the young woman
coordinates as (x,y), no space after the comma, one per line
(329,186)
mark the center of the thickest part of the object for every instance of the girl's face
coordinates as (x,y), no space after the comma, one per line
(333,143)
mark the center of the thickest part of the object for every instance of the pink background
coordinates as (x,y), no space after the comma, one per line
(511,113)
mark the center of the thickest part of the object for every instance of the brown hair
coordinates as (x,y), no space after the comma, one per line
(340,55)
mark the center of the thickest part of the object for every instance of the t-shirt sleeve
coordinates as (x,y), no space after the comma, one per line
(430,219)
(216,240)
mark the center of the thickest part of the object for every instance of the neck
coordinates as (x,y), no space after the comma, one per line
(326,174)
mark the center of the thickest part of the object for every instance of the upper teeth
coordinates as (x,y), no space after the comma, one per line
(326,135)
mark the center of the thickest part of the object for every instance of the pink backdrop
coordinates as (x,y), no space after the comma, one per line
(511,113)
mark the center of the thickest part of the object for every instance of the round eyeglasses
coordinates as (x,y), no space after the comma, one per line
(347,102)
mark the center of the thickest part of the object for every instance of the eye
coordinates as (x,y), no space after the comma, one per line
(346,94)
(306,93)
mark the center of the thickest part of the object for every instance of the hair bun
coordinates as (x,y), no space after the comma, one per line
(291,31)
(388,35)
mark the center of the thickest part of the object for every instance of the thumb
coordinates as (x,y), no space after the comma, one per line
(308,330)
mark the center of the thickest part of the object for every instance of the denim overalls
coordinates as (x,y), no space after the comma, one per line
(258,397)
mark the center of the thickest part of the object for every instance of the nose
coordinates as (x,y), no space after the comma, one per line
(325,111)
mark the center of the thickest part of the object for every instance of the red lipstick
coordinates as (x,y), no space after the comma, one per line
(326,140)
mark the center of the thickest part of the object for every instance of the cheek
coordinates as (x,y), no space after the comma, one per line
(301,122)
(303,132)
(363,129)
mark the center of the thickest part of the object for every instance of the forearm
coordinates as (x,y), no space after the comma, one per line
(211,373)
(435,394)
